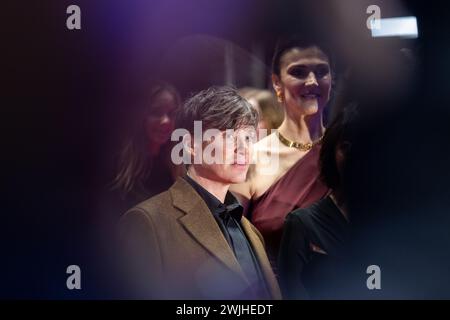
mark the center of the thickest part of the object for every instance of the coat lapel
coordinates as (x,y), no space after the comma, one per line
(202,226)
(261,256)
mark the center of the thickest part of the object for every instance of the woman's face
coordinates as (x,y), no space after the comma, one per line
(160,120)
(304,81)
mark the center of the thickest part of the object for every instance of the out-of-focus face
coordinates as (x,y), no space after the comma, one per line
(235,149)
(160,120)
(304,81)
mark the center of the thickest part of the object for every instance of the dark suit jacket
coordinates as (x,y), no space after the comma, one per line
(177,250)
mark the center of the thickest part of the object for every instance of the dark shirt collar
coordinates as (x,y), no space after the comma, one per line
(218,209)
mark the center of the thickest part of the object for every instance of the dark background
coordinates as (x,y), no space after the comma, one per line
(64,95)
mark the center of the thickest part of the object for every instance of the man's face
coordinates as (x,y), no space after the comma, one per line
(226,155)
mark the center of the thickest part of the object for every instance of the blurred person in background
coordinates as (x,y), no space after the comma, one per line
(144,166)
(268,108)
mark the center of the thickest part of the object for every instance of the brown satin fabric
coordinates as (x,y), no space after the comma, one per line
(299,187)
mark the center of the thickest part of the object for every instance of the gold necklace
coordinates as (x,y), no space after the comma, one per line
(298,145)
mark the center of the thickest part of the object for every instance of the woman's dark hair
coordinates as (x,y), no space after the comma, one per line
(284,44)
(339,134)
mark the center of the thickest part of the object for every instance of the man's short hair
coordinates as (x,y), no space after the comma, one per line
(218,107)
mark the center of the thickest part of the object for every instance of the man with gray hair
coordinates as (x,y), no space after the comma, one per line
(192,242)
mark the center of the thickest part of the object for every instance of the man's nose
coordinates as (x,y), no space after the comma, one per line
(311,80)
(242,151)
(242,146)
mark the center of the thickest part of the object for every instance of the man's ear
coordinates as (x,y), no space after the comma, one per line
(188,144)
